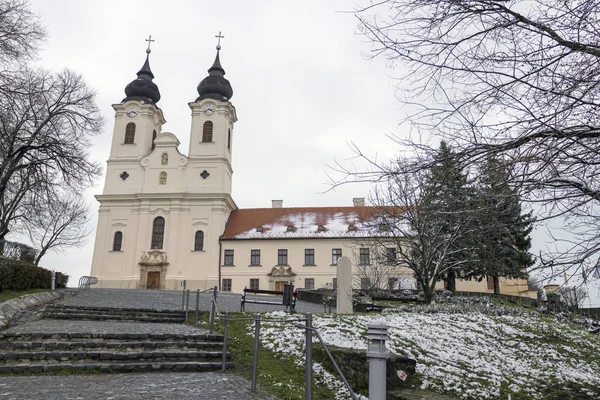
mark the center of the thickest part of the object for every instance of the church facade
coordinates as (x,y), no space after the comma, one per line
(166,217)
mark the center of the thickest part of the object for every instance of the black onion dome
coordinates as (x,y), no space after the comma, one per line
(142,88)
(215,86)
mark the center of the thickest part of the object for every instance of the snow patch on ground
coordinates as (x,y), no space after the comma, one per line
(471,355)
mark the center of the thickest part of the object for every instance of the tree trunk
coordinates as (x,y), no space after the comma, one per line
(496,285)
(452,281)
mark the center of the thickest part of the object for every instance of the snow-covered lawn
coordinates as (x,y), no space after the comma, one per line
(471,355)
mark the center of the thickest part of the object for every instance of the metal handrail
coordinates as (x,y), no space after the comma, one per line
(86,281)
(337,368)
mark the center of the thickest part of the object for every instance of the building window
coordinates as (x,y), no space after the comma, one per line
(334,283)
(321,228)
(490,282)
(226,286)
(254,257)
(229,139)
(365,283)
(259,229)
(130,133)
(290,228)
(162,178)
(336,254)
(207,131)
(228,259)
(158,233)
(254,284)
(118,241)
(351,228)
(393,284)
(309,256)
(309,283)
(199,241)
(282,257)
(364,256)
(153,137)
(390,255)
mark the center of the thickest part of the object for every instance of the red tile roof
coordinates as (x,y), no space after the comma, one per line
(304,220)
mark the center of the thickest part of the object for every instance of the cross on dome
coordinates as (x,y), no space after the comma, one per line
(219,36)
(149,40)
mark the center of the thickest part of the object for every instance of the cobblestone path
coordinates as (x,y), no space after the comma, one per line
(158,385)
(171,300)
(183,385)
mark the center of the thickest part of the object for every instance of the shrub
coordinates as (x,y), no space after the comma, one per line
(21,275)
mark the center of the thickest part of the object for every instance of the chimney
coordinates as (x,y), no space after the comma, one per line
(277,203)
(359,201)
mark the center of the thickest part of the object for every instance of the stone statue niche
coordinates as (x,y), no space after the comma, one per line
(162,178)
(164,160)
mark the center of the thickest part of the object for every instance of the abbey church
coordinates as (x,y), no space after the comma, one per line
(167,217)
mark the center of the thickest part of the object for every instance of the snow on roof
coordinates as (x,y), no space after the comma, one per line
(309,222)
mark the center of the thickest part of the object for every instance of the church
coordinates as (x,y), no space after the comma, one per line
(167,217)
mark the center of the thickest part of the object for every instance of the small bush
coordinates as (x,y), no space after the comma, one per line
(21,275)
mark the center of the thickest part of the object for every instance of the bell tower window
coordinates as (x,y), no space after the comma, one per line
(207,132)
(153,137)
(229,139)
(130,133)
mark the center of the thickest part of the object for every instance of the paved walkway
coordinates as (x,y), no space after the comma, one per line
(183,385)
(159,385)
(171,300)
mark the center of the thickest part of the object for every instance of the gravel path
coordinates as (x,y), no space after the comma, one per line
(183,385)
(75,326)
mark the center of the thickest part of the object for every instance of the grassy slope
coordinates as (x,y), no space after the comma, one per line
(9,294)
(470,355)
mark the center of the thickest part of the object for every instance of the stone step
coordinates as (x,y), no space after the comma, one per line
(114,317)
(84,336)
(111,366)
(109,344)
(146,356)
(62,307)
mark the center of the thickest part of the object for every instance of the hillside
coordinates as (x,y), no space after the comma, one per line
(470,352)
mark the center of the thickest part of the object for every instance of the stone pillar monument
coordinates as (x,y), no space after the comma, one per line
(344,286)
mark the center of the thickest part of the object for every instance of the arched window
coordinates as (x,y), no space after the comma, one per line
(118,241)
(162,178)
(229,138)
(207,131)
(130,133)
(153,137)
(158,233)
(199,241)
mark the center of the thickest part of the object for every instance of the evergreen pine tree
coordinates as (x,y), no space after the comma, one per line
(504,241)
(452,198)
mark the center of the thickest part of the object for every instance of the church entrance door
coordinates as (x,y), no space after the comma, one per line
(153,281)
(279,285)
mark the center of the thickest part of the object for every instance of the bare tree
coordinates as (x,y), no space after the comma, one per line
(46,122)
(513,78)
(59,225)
(20,31)
(376,266)
(409,217)
(573,296)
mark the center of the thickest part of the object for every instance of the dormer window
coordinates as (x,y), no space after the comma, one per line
(321,228)
(259,229)
(351,228)
(384,227)
(290,228)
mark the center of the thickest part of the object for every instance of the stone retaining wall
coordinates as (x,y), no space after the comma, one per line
(9,308)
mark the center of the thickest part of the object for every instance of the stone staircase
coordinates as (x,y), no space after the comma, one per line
(114,314)
(110,352)
(105,347)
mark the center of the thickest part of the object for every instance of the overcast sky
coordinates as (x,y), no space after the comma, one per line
(303,88)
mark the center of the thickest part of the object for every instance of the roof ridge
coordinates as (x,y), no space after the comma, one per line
(299,208)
